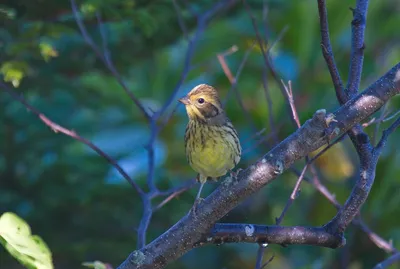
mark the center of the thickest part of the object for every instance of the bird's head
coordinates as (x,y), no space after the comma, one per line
(202,103)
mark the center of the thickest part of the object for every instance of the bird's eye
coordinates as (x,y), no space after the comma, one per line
(200,100)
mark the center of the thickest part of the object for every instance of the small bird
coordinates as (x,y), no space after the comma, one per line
(211,142)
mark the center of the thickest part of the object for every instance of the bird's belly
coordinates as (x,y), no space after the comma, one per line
(212,160)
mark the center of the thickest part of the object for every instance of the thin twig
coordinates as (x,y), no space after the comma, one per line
(383,118)
(234,83)
(381,144)
(289,92)
(375,238)
(391,116)
(267,61)
(378,124)
(174,192)
(395,258)
(268,262)
(58,128)
(181,21)
(201,24)
(325,149)
(105,57)
(295,192)
(292,197)
(260,255)
(224,65)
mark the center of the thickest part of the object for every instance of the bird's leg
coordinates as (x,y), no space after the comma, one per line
(202,180)
(199,192)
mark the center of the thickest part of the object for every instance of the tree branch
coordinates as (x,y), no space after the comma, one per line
(183,236)
(386,263)
(201,24)
(327,51)
(357,46)
(223,233)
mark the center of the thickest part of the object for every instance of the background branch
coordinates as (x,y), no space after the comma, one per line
(58,128)
(105,56)
(395,258)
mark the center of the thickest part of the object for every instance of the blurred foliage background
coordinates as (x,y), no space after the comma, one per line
(85,211)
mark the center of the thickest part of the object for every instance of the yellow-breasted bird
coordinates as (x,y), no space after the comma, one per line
(211,142)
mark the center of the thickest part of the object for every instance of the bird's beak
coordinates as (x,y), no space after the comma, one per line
(185,100)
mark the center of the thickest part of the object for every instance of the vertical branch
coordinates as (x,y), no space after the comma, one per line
(327,51)
(260,255)
(357,46)
(366,152)
(144,222)
(151,156)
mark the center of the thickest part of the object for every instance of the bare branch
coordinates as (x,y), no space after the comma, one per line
(395,258)
(293,196)
(260,253)
(266,57)
(268,262)
(201,24)
(368,161)
(319,154)
(223,233)
(361,142)
(181,22)
(376,239)
(183,236)
(234,82)
(357,46)
(174,192)
(105,57)
(58,128)
(327,51)
(224,65)
(289,94)
(385,136)
(144,222)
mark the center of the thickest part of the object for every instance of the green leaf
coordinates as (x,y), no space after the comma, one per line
(30,250)
(14,71)
(47,51)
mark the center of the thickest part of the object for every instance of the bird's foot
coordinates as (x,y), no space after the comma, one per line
(196,203)
(212,179)
(234,174)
